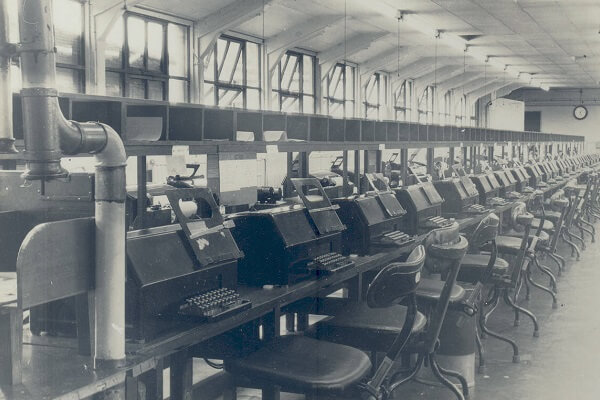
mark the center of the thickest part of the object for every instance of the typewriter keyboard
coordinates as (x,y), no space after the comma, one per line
(394,238)
(475,209)
(435,223)
(513,195)
(528,189)
(497,201)
(214,305)
(329,263)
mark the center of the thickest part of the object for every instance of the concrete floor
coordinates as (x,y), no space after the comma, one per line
(563,363)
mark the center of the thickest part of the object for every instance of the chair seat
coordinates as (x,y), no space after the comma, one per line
(366,328)
(511,243)
(431,289)
(303,365)
(473,267)
(553,216)
(548,225)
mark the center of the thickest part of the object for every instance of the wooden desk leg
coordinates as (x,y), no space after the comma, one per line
(355,288)
(290,324)
(181,376)
(153,381)
(272,324)
(271,393)
(11,327)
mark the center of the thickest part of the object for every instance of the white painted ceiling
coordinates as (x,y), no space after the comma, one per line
(558,41)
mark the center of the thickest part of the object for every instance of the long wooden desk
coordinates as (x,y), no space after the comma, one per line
(52,368)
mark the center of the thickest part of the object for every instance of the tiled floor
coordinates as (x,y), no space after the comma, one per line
(562,364)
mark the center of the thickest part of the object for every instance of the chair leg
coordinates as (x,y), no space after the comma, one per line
(578,238)
(485,330)
(510,302)
(574,248)
(456,375)
(445,381)
(545,270)
(480,349)
(557,261)
(542,288)
(395,382)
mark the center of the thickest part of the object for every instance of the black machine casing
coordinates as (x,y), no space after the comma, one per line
(535,175)
(279,242)
(486,187)
(522,177)
(458,194)
(367,217)
(165,266)
(421,201)
(507,181)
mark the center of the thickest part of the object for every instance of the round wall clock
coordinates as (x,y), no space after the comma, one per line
(580,112)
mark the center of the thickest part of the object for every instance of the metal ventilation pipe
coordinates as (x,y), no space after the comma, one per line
(6,50)
(48,135)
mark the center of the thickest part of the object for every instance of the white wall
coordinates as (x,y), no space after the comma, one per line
(559,119)
(506,114)
(556,107)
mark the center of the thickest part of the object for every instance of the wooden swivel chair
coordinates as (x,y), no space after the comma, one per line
(302,364)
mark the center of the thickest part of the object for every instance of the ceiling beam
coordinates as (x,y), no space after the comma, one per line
(303,31)
(475,95)
(438,75)
(345,49)
(232,15)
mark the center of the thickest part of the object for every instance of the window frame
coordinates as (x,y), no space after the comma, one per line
(128,72)
(301,93)
(406,95)
(243,87)
(379,77)
(329,99)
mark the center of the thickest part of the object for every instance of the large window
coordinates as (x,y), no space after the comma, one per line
(148,58)
(446,113)
(232,76)
(69,33)
(294,83)
(402,101)
(460,112)
(339,91)
(425,106)
(374,97)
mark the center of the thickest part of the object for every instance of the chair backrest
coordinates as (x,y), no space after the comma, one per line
(558,201)
(445,248)
(485,232)
(396,281)
(522,218)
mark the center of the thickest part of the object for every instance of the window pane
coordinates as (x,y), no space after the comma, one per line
(15,77)
(230,98)
(113,50)
(178,50)
(253,99)
(156,90)
(253,68)
(336,83)
(349,83)
(136,35)
(209,69)
(371,90)
(69,80)
(178,90)
(68,27)
(308,83)
(208,97)
(336,110)
(136,88)
(290,104)
(230,61)
(308,104)
(349,113)
(290,74)
(155,46)
(13,21)
(114,84)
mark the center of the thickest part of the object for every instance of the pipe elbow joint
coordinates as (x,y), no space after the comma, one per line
(112,154)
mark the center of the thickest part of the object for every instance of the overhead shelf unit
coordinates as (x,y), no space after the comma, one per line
(152,127)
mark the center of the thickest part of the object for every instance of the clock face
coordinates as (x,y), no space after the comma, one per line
(580,112)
